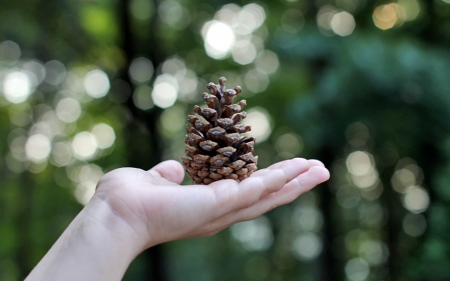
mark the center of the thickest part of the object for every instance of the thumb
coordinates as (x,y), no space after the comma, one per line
(170,170)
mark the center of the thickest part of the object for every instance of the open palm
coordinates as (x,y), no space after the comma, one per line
(158,209)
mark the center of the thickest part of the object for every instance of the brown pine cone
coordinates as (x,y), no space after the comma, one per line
(215,145)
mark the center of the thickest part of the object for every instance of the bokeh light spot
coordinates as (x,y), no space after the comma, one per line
(9,51)
(165,91)
(307,246)
(307,218)
(164,94)
(292,20)
(324,18)
(104,134)
(367,180)
(259,119)
(357,134)
(96,83)
(174,66)
(141,70)
(256,81)
(414,224)
(231,31)
(343,23)
(374,252)
(388,16)
(61,154)
(37,69)
(255,235)
(219,39)
(411,7)
(84,145)
(17,87)
(289,143)
(357,269)
(405,178)
(55,72)
(250,17)
(174,14)
(68,110)
(228,14)
(267,62)
(38,148)
(142,97)
(244,52)
(416,200)
(359,163)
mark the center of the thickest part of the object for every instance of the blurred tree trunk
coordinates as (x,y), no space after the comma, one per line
(24,222)
(327,262)
(143,129)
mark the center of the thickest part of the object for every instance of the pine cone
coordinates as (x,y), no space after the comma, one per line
(215,144)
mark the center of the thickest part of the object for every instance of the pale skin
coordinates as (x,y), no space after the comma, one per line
(133,210)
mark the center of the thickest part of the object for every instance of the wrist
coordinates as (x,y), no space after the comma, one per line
(97,245)
(105,222)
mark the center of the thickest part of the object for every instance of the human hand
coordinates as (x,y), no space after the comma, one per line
(133,209)
(157,209)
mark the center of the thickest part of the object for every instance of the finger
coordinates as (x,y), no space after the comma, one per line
(276,166)
(274,178)
(303,183)
(314,162)
(170,170)
(231,196)
(271,167)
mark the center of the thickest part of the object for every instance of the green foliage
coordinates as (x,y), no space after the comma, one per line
(99,23)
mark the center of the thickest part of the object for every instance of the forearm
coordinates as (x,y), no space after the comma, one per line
(96,246)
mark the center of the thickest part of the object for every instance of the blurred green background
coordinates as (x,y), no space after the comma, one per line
(88,86)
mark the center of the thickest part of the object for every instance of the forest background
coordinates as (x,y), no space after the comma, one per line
(89,86)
